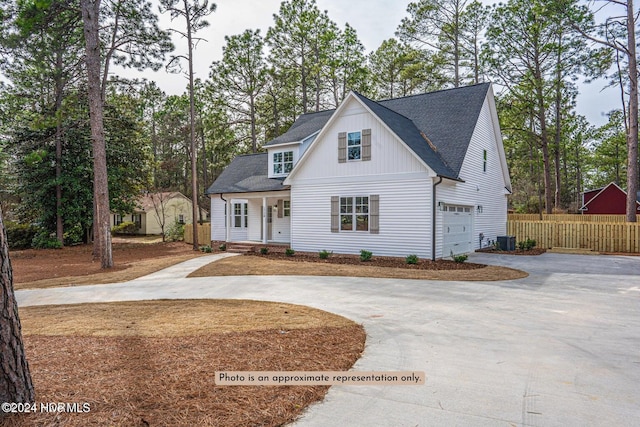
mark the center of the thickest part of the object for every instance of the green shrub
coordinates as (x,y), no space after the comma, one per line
(289,252)
(527,245)
(325,254)
(223,247)
(126,227)
(20,236)
(175,232)
(460,258)
(411,259)
(73,236)
(45,240)
(365,255)
(264,251)
(206,248)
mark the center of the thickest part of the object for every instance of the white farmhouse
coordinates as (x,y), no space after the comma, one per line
(423,174)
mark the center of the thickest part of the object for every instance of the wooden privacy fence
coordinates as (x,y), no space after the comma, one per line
(204,233)
(567,217)
(597,236)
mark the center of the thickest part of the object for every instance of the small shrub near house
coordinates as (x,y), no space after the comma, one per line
(460,258)
(264,251)
(365,255)
(289,252)
(223,247)
(527,245)
(175,232)
(126,227)
(324,254)
(411,259)
(206,249)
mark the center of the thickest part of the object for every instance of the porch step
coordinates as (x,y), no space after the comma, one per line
(240,248)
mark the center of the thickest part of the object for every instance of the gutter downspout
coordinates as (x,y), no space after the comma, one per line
(433,220)
(225,216)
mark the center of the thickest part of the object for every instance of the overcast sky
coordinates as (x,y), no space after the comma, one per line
(374,21)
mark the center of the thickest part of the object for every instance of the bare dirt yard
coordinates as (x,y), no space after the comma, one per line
(153,363)
(42,268)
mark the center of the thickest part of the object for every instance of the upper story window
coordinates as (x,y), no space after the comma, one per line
(484,160)
(354,146)
(282,162)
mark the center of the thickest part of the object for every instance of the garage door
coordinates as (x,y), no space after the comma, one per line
(457,230)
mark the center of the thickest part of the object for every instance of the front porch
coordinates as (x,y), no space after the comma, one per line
(254,218)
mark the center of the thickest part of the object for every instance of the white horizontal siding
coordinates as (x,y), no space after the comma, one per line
(480,188)
(217,219)
(405,218)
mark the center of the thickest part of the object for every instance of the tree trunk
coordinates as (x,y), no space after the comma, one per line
(558,133)
(58,107)
(15,385)
(632,136)
(90,18)
(192,114)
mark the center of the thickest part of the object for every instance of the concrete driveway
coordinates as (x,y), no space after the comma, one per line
(558,348)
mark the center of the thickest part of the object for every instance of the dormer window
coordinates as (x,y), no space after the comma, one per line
(354,146)
(282,162)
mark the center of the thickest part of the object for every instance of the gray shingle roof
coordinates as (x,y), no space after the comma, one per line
(447,118)
(410,134)
(246,174)
(305,125)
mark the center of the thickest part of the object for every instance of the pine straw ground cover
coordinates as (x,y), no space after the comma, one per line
(310,264)
(73,265)
(152,363)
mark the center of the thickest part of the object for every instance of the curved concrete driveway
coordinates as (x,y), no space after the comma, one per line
(558,348)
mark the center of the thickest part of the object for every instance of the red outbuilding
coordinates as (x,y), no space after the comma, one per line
(609,200)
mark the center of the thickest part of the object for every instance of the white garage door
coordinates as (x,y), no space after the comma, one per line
(457,230)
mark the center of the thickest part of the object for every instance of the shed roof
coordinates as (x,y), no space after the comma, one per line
(246,174)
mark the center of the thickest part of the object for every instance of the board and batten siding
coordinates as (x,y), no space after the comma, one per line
(404,217)
(388,155)
(486,189)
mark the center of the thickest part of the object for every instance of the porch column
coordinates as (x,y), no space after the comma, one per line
(264,220)
(228,221)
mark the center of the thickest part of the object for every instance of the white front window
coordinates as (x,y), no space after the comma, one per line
(240,215)
(282,162)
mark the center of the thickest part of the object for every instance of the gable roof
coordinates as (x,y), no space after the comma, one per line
(603,190)
(145,203)
(407,131)
(446,117)
(436,126)
(246,174)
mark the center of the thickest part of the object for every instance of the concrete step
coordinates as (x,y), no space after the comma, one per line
(239,248)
